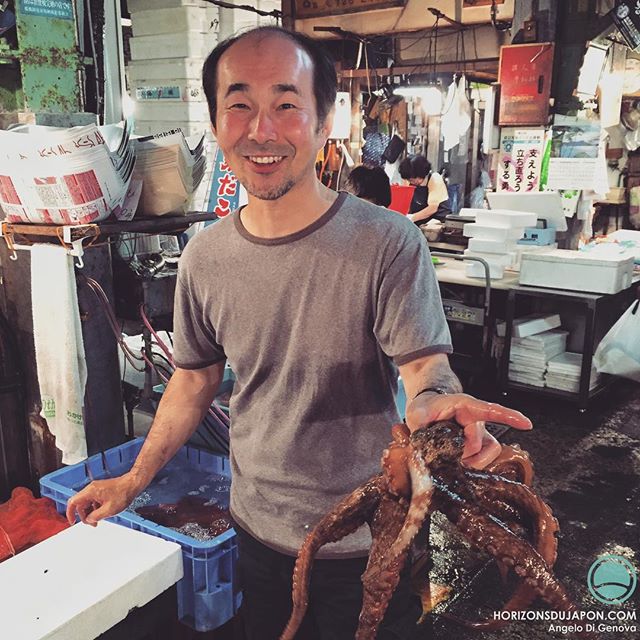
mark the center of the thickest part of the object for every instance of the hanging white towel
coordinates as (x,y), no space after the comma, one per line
(60,357)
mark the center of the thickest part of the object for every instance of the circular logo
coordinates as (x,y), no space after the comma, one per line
(612,579)
(622,11)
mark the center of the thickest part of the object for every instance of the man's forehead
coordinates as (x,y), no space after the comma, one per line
(258,57)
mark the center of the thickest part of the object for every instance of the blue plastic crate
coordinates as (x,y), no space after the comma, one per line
(208,594)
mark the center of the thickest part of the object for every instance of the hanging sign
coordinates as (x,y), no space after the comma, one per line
(316,8)
(62,9)
(520,159)
(626,17)
(224,196)
(525,84)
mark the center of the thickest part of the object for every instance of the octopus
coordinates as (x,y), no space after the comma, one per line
(494,509)
(189,510)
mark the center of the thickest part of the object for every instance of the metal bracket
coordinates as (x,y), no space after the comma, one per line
(71,237)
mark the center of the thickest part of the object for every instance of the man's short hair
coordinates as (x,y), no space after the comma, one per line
(370,183)
(325,82)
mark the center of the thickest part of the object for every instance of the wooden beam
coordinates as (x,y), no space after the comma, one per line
(485,69)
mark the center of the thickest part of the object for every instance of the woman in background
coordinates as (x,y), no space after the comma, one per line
(370,183)
(431,198)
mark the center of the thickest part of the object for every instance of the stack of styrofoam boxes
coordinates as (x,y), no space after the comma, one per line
(171,39)
(535,340)
(493,237)
(564,370)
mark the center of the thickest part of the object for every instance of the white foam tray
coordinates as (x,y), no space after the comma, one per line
(84,580)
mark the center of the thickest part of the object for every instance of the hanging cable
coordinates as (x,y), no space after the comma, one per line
(245,7)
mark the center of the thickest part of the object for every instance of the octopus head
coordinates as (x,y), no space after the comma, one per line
(439,443)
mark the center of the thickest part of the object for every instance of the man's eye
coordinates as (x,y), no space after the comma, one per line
(287,105)
(239,105)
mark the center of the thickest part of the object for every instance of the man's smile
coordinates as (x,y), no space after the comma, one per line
(265,159)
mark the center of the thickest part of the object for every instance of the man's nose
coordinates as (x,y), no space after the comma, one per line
(262,128)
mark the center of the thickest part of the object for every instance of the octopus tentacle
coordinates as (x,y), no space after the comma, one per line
(345,518)
(489,534)
(379,585)
(421,494)
(512,463)
(494,491)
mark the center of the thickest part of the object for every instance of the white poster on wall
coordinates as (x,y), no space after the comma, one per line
(520,159)
(575,151)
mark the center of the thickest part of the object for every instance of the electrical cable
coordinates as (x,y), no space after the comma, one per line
(215,411)
(245,7)
(112,321)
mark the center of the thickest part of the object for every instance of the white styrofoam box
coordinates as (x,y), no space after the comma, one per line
(172,45)
(530,325)
(506,218)
(492,246)
(488,232)
(162,70)
(476,270)
(149,127)
(168,91)
(499,259)
(467,212)
(84,580)
(157,21)
(136,6)
(576,270)
(168,111)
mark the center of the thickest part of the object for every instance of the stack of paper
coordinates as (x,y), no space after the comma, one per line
(529,356)
(170,167)
(56,175)
(563,372)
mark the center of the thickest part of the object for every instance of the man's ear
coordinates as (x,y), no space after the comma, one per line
(327,126)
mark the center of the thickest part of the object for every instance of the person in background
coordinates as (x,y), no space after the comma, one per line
(317,314)
(371,184)
(430,199)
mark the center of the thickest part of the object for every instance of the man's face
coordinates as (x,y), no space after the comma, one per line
(416,182)
(266,120)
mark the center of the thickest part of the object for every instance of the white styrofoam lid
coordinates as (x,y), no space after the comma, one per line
(84,580)
(564,255)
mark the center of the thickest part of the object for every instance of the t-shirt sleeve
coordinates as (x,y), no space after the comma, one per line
(437,189)
(410,321)
(194,338)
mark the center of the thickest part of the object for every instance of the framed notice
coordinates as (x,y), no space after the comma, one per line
(316,8)
(520,159)
(525,84)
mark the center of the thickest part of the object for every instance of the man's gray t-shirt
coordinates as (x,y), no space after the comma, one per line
(312,325)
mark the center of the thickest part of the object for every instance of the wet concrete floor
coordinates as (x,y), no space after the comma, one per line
(588,470)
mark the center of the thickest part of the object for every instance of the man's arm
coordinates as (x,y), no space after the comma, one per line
(184,403)
(423,409)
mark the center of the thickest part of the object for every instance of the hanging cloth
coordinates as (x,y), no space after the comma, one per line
(60,356)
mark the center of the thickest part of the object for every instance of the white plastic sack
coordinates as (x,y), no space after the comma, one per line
(619,351)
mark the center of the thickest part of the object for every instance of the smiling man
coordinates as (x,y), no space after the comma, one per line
(316,299)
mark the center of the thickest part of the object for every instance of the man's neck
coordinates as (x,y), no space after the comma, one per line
(294,211)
